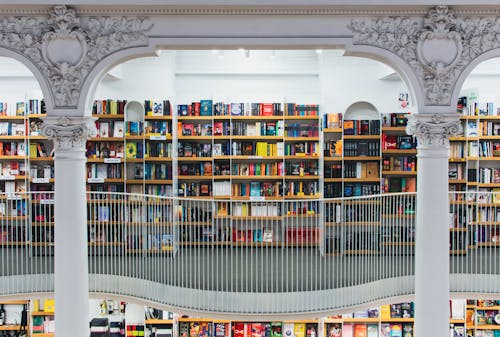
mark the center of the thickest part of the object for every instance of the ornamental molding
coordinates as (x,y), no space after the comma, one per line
(434,130)
(242,10)
(66,47)
(437,47)
(69,133)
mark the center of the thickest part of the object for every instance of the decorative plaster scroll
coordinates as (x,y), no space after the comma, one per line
(434,130)
(69,133)
(437,47)
(66,48)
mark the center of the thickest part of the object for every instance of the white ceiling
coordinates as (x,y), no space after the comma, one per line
(12,68)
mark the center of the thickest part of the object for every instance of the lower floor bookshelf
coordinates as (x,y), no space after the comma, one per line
(468,318)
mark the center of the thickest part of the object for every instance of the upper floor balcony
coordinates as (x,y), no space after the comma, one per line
(250,257)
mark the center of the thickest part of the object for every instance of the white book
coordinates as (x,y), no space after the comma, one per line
(338,213)
(21,149)
(359,170)
(18,129)
(458,309)
(251,129)
(280,149)
(104,129)
(257,129)
(47,171)
(102,171)
(281,128)
(217,150)
(288,330)
(118,129)
(4,128)
(267,235)
(473,149)
(10,187)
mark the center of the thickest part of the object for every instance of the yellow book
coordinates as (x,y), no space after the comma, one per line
(131,150)
(385,312)
(49,305)
(300,330)
(113,106)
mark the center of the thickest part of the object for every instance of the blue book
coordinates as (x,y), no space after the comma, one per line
(206,107)
(255,189)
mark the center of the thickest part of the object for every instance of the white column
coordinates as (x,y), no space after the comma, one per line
(70,253)
(432,259)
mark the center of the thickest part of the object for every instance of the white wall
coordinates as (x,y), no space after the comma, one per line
(301,76)
(140,79)
(345,80)
(484,81)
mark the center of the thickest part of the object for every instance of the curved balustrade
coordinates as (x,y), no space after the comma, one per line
(253,256)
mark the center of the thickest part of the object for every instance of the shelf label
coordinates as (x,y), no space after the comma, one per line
(47,201)
(95,180)
(7,177)
(157,137)
(255,157)
(112,160)
(257,198)
(40,180)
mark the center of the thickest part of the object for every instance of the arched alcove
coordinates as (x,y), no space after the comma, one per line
(362,110)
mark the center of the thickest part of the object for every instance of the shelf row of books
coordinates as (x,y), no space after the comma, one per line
(398,142)
(209,108)
(489,149)
(23,108)
(361,127)
(397,164)
(117,107)
(470,106)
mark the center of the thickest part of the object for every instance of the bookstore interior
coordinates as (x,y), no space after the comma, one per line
(243,124)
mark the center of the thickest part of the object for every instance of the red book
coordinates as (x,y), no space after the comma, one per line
(267,109)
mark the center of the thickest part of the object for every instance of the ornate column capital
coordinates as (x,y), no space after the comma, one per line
(433,130)
(69,133)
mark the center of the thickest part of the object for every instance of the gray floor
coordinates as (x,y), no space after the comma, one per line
(250,269)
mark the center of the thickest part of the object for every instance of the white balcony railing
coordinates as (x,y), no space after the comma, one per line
(262,257)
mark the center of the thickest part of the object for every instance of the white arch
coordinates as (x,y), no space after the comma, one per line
(459,82)
(395,62)
(39,76)
(95,76)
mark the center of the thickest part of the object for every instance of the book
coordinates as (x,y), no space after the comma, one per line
(360,330)
(471,129)
(118,129)
(396,330)
(206,107)
(131,150)
(267,235)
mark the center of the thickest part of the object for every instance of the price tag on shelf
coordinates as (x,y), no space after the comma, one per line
(257,198)
(157,137)
(95,180)
(255,157)
(47,201)
(40,180)
(112,160)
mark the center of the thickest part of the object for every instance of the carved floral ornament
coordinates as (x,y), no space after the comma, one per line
(437,47)
(66,47)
